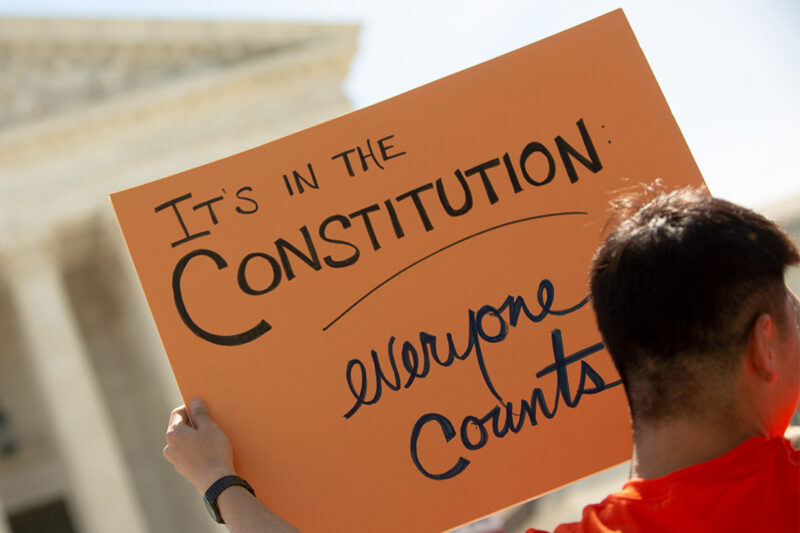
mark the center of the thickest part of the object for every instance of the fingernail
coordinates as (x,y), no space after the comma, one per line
(197,402)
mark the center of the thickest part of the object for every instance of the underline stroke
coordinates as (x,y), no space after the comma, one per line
(442,249)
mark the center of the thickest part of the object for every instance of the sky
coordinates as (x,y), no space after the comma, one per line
(729,69)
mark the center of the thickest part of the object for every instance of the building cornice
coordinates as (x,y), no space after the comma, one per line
(62,167)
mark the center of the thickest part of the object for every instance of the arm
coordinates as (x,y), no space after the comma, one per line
(202,454)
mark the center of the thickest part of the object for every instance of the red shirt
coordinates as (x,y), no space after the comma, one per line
(755,487)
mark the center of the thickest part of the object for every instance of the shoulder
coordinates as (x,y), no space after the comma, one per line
(760,480)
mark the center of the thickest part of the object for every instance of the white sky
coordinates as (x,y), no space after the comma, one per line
(730,69)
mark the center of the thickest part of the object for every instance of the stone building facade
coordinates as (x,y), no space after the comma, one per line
(91,107)
(95,106)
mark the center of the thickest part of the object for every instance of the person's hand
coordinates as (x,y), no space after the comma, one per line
(201,453)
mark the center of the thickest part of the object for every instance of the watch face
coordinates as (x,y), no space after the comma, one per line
(212,511)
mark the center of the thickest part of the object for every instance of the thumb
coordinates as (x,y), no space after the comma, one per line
(199,413)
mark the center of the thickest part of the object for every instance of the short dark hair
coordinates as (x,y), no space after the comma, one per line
(676,286)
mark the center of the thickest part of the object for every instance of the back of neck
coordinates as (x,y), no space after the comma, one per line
(666,446)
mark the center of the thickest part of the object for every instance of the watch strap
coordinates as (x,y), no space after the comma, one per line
(217,488)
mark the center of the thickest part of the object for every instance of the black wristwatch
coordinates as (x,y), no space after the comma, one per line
(216,488)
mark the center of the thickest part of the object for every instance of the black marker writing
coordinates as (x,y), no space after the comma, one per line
(501,420)
(340,240)
(416,360)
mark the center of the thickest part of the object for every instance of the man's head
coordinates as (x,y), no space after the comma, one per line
(678,286)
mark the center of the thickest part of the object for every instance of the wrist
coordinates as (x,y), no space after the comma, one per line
(232,493)
(216,493)
(209,477)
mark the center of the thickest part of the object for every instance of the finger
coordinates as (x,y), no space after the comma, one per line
(199,413)
(177,417)
(168,455)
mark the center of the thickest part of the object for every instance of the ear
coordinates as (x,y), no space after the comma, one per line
(761,345)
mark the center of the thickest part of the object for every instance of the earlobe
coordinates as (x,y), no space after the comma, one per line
(760,347)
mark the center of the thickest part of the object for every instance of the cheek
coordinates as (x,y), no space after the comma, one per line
(783,416)
(794,385)
(790,390)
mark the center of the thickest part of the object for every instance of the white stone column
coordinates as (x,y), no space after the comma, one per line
(187,509)
(131,289)
(102,494)
(4,527)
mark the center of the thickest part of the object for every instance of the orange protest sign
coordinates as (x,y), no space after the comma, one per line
(388,312)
